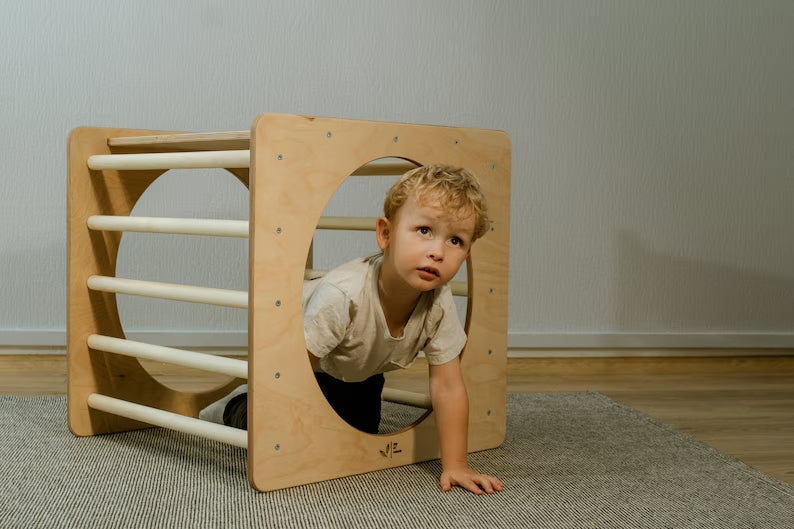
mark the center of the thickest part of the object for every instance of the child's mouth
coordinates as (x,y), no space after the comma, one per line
(428,273)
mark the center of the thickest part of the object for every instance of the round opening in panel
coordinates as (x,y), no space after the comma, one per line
(372,365)
(194,260)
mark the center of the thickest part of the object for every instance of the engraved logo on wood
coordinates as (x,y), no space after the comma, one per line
(391,449)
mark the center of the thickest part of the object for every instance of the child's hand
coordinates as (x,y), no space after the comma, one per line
(470,480)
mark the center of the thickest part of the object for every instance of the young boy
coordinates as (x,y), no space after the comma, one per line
(376,314)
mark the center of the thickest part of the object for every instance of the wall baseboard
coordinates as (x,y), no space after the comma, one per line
(54,338)
(520,344)
(690,340)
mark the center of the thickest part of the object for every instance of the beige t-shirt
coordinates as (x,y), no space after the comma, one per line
(345,327)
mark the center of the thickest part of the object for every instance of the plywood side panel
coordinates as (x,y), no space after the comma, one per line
(94,252)
(297,164)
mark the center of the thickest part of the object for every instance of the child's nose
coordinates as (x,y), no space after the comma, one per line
(436,251)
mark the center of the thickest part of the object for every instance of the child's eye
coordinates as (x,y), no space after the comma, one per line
(455,241)
(424,230)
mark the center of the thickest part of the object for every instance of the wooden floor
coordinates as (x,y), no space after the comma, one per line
(744,407)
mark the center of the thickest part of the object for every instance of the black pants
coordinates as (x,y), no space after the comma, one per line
(358,403)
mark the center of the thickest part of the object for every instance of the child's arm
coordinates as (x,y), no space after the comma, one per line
(451,406)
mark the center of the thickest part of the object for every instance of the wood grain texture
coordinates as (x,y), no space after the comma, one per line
(90,312)
(297,164)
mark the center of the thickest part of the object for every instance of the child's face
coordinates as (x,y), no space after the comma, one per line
(424,246)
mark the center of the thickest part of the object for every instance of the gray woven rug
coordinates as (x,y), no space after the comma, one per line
(577,460)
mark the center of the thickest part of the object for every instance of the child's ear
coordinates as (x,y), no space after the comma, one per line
(383,232)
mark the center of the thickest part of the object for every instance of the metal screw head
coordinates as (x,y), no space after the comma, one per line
(488,413)
(280,157)
(278,303)
(396,139)
(328,134)
(277,375)
(493,166)
(278,230)
(457,142)
(277,447)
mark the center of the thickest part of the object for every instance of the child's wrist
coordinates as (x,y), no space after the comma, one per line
(456,464)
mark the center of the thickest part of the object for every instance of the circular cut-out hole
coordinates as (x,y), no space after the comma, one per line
(207,261)
(363,196)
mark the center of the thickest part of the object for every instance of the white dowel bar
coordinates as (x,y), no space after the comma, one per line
(347,223)
(410,398)
(170,160)
(211,227)
(210,296)
(167,419)
(234,159)
(206,362)
(459,288)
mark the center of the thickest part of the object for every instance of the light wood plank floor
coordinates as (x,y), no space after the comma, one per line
(744,407)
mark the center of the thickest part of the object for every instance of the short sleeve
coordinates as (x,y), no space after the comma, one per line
(326,316)
(446,335)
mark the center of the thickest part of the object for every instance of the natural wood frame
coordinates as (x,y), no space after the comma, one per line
(296,164)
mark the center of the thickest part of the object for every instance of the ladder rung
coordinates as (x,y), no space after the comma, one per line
(210,227)
(459,288)
(347,223)
(170,160)
(410,398)
(193,294)
(232,159)
(170,420)
(207,362)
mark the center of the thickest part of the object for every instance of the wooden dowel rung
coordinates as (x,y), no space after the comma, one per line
(170,160)
(170,420)
(210,296)
(206,362)
(232,159)
(188,141)
(410,398)
(347,223)
(210,227)
(459,288)
(313,273)
(240,139)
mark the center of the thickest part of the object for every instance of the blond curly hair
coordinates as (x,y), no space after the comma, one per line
(455,189)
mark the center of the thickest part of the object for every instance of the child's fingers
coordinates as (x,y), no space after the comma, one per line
(489,484)
(471,486)
(473,482)
(496,483)
(486,483)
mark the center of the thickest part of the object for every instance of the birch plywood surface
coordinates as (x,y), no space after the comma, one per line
(297,163)
(89,312)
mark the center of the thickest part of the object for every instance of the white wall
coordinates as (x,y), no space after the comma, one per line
(653,146)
